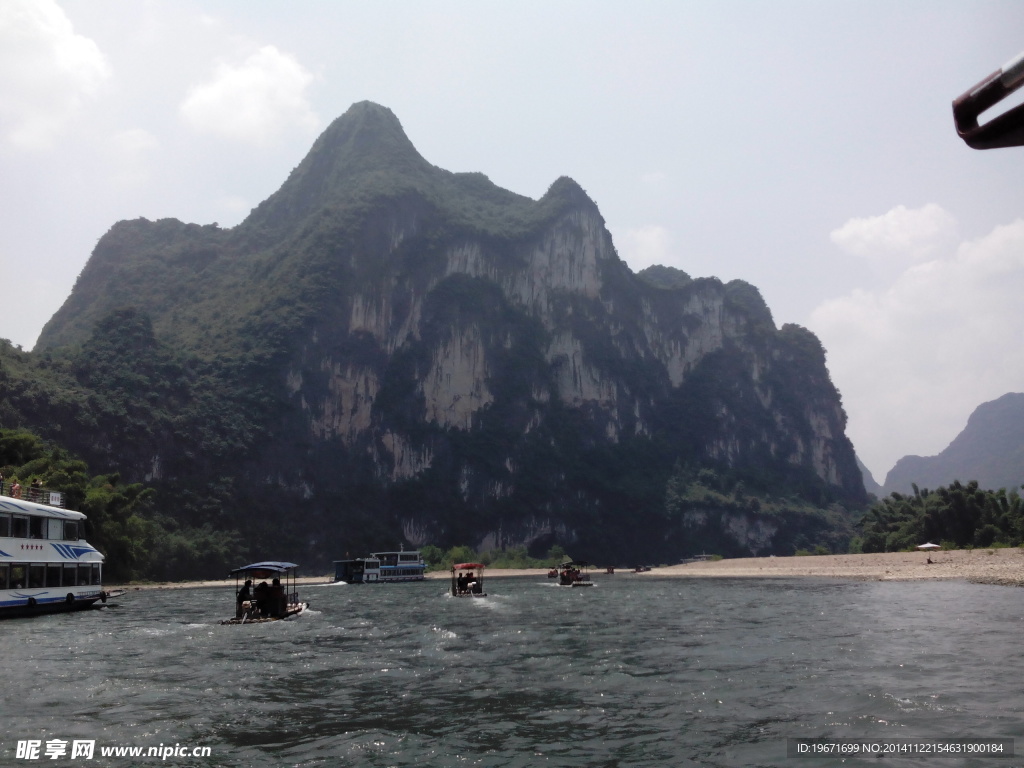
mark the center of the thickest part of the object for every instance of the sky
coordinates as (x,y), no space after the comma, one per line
(807,148)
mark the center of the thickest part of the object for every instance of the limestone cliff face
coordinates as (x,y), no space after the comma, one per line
(482,365)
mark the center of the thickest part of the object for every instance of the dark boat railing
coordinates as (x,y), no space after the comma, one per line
(34,493)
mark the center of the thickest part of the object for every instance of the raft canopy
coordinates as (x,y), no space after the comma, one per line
(468,567)
(271,566)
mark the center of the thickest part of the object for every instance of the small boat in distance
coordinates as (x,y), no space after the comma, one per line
(266,602)
(468,580)
(381,567)
(46,566)
(574,574)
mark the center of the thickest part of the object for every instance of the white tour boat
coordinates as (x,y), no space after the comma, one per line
(381,567)
(46,566)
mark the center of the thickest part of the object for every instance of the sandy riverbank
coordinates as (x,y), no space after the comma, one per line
(984,566)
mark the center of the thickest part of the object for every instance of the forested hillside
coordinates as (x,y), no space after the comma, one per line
(387,353)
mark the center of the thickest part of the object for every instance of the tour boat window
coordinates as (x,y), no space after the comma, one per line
(36,576)
(5,572)
(69,575)
(17,577)
(53,575)
(19,527)
(36,527)
(5,526)
(55,529)
(97,574)
(71,530)
(84,575)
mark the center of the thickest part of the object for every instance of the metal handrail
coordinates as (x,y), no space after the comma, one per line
(33,493)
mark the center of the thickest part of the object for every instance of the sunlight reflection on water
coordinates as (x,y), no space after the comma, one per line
(638,671)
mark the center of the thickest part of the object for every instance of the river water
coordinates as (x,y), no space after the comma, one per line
(635,671)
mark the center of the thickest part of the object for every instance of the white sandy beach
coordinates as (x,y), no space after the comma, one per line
(988,566)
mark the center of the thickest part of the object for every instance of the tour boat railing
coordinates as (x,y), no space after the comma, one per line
(32,493)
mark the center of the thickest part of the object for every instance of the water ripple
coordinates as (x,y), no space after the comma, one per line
(637,672)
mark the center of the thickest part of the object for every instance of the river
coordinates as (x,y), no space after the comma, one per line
(635,671)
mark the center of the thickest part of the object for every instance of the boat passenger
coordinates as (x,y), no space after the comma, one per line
(277,599)
(262,595)
(244,596)
(16,490)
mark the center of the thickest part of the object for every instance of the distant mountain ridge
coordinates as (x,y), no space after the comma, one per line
(870,484)
(387,352)
(990,450)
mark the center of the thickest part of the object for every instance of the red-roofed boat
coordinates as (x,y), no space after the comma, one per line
(468,580)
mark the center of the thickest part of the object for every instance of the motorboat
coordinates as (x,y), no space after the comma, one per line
(468,580)
(574,573)
(266,602)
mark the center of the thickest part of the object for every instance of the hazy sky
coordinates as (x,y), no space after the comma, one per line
(805,147)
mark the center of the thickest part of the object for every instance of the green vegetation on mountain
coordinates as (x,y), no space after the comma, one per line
(385,352)
(121,523)
(708,507)
(664,277)
(956,516)
(438,559)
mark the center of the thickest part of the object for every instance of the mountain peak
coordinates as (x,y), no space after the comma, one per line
(366,143)
(988,450)
(566,190)
(366,135)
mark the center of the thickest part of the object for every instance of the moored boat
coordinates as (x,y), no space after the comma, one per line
(46,566)
(266,602)
(468,580)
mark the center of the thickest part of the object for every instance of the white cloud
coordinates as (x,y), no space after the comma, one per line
(902,236)
(130,152)
(640,248)
(231,209)
(654,177)
(252,101)
(914,360)
(47,71)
